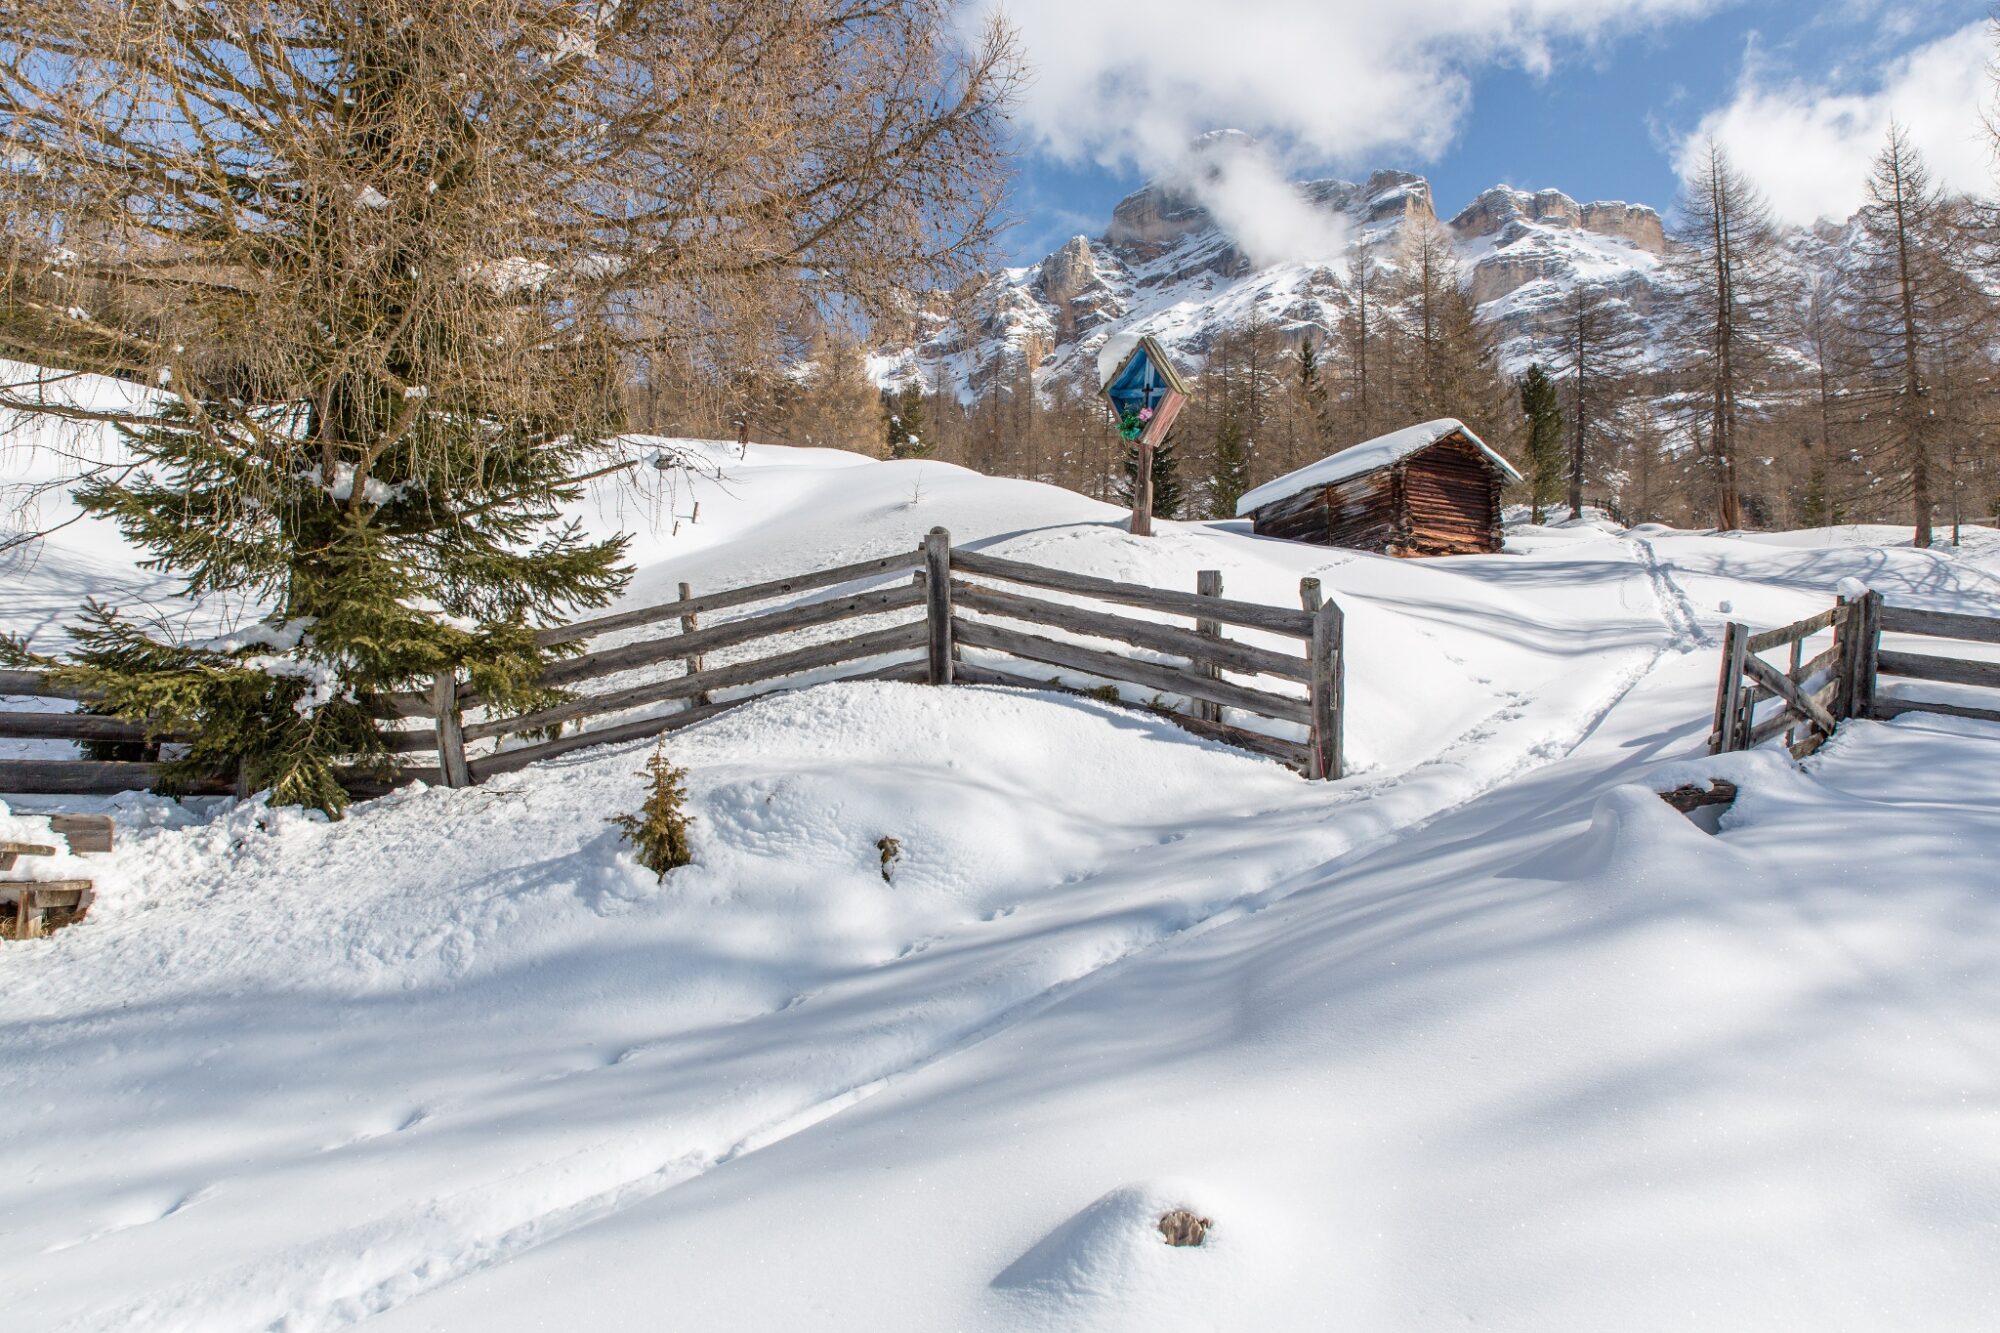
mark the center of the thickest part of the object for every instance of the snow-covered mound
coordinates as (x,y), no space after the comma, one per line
(1484,1033)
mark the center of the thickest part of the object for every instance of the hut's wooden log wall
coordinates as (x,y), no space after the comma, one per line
(1442,500)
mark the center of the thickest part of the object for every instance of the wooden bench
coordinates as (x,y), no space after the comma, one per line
(28,905)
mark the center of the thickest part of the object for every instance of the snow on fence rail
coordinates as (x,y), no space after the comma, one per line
(960,610)
(1813,695)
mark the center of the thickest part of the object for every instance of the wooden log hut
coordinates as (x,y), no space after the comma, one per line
(1432,489)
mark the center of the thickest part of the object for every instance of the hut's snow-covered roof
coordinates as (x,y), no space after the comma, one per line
(1369,456)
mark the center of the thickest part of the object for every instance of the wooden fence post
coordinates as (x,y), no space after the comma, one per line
(1310,596)
(450,734)
(1328,672)
(1208,583)
(937,597)
(1868,647)
(692,665)
(1729,692)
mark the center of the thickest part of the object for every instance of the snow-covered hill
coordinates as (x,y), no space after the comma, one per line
(1482,1034)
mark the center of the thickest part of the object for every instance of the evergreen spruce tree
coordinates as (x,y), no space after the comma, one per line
(906,423)
(1229,473)
(440,561)
(1541,404)
(660,830)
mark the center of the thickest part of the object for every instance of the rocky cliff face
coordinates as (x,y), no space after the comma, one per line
(1166,266)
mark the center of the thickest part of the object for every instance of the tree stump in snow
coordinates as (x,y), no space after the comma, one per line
(1182,1227)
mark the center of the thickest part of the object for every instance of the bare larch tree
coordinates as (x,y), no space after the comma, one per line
(1725,272)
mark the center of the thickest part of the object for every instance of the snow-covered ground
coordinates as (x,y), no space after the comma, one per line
(1484,1034)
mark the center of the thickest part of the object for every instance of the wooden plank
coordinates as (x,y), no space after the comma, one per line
(627,656)
(70,727)
(1274,747)
(896,638)
(507,761)
(86,834)
(1953,670)
(1773,679)
(410,742)
(1326,759)
(14,680)
(937,603)
(1798,629)
(1208,583)
(450,732)
(1110,666)
(1782,720)
(1939,624)
(721,601)
(1273,619)
(1223,653)
(1885,709)
(70,777)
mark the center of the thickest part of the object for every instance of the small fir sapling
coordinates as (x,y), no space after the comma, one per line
(660,829)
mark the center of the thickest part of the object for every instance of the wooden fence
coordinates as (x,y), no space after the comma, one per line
(948,623)
(1815,694)
(1930,667)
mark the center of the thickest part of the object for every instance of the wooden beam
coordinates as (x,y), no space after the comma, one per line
(450,733)
(1328,671)
(1208,583)
(1802,629)
(1884,709)
(1112,667)
(1273,619)
(937,603)
(1735,646)
(719,601)
(690,622)
(1939,624)
(1256,742)
(896,638)
(84,833)
(14,680)
(70,727)
(1224,653)
(1786,689)
(611,661)
(1953,670)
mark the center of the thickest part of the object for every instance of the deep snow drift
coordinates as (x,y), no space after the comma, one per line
(1485,1033)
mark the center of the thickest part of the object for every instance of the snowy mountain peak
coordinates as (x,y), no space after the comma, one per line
(1220,242)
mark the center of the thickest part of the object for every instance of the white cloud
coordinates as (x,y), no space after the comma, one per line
(1129,82)
(1809,147)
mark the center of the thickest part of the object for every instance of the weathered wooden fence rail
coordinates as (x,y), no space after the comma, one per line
(1843,680)
(1929,667)
(662,655)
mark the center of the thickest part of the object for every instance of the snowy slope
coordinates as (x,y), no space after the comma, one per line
(1482,1033)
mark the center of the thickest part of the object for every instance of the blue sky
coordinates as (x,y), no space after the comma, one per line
(1575,94)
